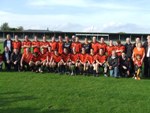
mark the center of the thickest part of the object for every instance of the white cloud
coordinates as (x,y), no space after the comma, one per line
(81,3)
(33,21)
(124,27)
(43,3)
(94,23)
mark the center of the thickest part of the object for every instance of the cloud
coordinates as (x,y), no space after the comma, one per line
(43,3)
(94,23)
(33,21)
(82,4)
(124,27)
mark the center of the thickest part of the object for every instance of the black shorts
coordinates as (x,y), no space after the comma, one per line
(25,64)
(137,67)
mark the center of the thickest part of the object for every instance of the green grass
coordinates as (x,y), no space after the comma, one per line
(28,92)
(1,46)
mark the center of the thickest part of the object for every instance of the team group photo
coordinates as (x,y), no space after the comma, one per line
(68,55)
(74,56)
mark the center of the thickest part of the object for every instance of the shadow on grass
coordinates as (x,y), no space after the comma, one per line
(56,111)
(8,98)
(9,93)
(32,110)
(145,78)
(19,110)
(11,97)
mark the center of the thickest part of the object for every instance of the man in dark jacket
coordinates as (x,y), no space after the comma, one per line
(8,43)
(86,45)
(6,59)
(128,51)
(15,59)
(124,66)
(147,57)
(67,44)
(113,65)
(128,48)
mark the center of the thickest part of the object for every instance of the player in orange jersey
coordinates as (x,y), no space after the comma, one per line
(56,62)
(101,59)
(53,44)
(102,44)
(36,45)
(74,58)
(94,45)
(17,44)
(66,59)
(110,48)
(90,66)
(44,44)
(60,45)
(76,45)
(26,43)
(82,63)
(26,60)
(119,48)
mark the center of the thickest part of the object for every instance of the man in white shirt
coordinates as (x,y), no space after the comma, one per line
(147,57)
(8,43)
(148,52)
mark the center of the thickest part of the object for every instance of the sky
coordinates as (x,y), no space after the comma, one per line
(78,15)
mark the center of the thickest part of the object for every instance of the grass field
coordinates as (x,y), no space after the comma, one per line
(28,92)
(1,46)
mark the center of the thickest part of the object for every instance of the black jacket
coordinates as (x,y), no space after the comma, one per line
(145,45)
(15,57)
(129,50)
(124,62)
(5,44)
(87,47)
(113,62)
(67,46)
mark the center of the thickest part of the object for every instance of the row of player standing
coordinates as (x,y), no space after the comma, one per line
(54,45)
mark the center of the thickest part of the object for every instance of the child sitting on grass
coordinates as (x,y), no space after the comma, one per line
(137,66)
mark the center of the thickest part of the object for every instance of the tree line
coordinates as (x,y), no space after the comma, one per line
(5,27)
